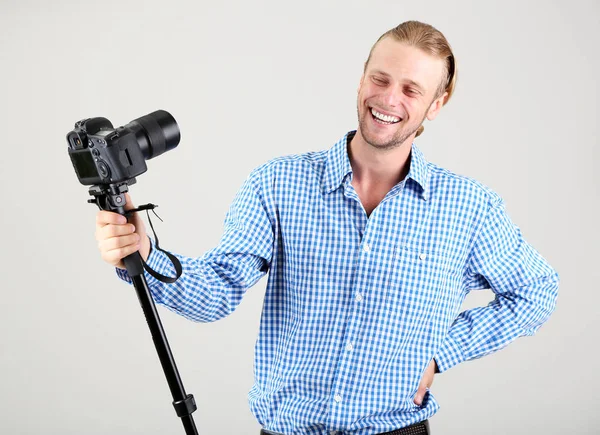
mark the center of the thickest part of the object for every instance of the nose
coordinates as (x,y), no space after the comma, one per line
(392,96)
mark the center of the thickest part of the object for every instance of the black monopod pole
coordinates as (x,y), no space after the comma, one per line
(183,403)
(112,198)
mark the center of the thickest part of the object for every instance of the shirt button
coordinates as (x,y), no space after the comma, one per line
(366,247)
(359,297)
(422,256)
(337,398)
(349,347)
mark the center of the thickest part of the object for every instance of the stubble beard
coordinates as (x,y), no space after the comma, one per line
(398,139)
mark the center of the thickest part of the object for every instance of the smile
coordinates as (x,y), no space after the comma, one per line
(384,119)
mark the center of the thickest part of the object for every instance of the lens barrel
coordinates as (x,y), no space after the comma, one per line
(156,133)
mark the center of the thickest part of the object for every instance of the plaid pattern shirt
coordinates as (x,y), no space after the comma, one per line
(356,307)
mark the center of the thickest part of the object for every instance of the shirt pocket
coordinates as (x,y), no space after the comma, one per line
(417,283)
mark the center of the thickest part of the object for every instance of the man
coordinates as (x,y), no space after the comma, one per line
(370,251)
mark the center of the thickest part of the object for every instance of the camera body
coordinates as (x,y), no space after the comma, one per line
(103,155)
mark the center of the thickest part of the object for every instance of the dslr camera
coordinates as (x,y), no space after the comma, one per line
(103,155)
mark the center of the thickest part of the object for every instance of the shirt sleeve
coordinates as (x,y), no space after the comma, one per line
(524,284)
(212,286)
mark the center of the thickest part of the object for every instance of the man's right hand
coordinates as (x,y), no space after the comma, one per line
(117,238)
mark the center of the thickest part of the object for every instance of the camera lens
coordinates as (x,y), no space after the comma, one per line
(156,133)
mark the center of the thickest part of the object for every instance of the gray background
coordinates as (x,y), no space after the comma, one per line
(248,81)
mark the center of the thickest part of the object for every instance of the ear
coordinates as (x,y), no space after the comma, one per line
(436,106)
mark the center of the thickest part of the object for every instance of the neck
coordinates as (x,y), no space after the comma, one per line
(381,168)
(375,171)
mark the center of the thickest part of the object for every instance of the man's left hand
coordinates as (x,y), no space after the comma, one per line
(426,382)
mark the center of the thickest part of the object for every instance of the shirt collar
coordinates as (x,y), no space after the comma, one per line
(419,170)
(338,166)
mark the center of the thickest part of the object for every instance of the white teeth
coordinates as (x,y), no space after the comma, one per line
(383,117)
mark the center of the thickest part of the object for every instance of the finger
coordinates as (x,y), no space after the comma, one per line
(118,242)
(135,218)
(104,217)
(109,231)
(115,256)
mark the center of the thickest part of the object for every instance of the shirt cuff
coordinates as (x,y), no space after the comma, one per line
(448,355)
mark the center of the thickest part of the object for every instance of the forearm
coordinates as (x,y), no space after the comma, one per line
(210,287)
(483,330)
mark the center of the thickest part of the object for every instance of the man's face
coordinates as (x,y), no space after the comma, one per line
(396,93)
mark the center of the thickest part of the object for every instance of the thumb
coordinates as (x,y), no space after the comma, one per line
(420,394)
(134,218)
(128,202)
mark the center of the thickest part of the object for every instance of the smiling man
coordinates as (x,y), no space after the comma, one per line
(401,86)
(370,251)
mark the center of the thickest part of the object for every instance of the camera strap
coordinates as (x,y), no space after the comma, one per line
(174,260)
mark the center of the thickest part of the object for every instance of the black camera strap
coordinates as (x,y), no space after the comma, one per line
(174,260)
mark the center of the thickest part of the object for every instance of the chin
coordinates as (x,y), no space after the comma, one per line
(390,140)
(381,143)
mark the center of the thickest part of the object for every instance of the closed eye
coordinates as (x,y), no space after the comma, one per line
(379,81)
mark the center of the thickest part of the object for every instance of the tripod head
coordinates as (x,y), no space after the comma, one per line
(110,197)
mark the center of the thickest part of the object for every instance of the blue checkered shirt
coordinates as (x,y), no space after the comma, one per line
(357,306)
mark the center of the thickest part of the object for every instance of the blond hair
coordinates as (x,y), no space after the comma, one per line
(430,40)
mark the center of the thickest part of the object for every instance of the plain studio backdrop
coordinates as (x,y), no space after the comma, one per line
(246,82)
